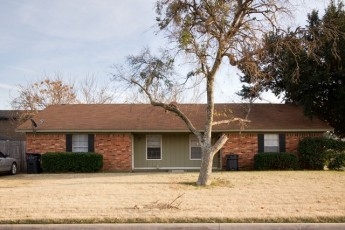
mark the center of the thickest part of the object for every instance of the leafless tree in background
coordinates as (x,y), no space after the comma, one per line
(53,90)
(91,92)
(37,96)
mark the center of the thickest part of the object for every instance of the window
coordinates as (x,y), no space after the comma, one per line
(153,147)
(80,143)
(195,149)
(271,143)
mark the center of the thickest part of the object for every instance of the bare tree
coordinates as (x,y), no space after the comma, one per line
(93,93)
(37,96)
(209,34)
(52,90)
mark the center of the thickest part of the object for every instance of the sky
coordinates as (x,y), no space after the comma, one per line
(79,38)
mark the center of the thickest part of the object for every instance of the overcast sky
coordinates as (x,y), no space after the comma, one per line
(84,37)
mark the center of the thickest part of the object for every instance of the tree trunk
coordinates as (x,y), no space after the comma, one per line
(207,160)
(208,151)
(205,168)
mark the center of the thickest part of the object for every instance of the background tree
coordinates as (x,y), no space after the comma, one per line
(39,95)
(207,34)
(319,83)
(54,91)
(91,92)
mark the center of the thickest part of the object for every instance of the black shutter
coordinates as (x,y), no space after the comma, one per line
(282,143)
(68,142)
(91,145)
(261,143)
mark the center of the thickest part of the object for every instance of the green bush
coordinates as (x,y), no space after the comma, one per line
(312,151)
(275,161)
(71,162)
(336,160)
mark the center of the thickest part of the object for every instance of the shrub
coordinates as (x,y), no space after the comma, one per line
(312,151)
(71,162)
(275,161)
(336,160)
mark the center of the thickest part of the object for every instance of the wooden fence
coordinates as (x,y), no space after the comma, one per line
(15,149)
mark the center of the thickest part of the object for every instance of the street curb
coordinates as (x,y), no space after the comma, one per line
(170,226)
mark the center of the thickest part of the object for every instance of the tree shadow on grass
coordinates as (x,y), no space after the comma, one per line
(216,182)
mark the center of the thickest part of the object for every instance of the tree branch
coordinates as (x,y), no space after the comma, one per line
(240,120)
(172,107)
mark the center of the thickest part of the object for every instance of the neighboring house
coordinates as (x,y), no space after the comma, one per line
(8,122)
(144,137)
(12,142)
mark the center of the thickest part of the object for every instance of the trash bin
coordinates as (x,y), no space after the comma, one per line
(232,162)
(33,163)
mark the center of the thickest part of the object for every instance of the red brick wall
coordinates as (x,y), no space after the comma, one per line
(116,150)
(42,143)
(246,146)
(292,140)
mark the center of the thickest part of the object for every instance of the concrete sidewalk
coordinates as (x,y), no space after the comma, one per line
(210,226)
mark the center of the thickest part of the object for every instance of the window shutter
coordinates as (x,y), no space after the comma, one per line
(68,142)
(282,143)
(260,143)
(91,141)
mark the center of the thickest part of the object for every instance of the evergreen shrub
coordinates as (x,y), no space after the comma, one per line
(312,151)
(336,160)
(59,162)
(275,161)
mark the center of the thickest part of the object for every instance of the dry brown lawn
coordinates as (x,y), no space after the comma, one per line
(292,196)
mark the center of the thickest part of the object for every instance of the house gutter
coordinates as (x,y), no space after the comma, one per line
(175,131)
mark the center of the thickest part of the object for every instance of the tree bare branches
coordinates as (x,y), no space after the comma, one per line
(93,93)
(36,96)
(206,32)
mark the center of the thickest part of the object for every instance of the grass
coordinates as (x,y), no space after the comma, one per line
(271,196)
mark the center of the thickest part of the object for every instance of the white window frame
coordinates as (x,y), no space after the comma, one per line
(271,141)
(160,146)
(78,144)
(194,143)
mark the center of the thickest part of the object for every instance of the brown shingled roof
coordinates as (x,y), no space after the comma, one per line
(147,118)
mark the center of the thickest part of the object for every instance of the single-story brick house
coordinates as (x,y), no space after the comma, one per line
(144,137)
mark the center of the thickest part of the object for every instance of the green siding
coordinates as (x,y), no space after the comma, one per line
(175,152)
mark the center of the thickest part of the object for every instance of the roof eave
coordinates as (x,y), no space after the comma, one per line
(178,131)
